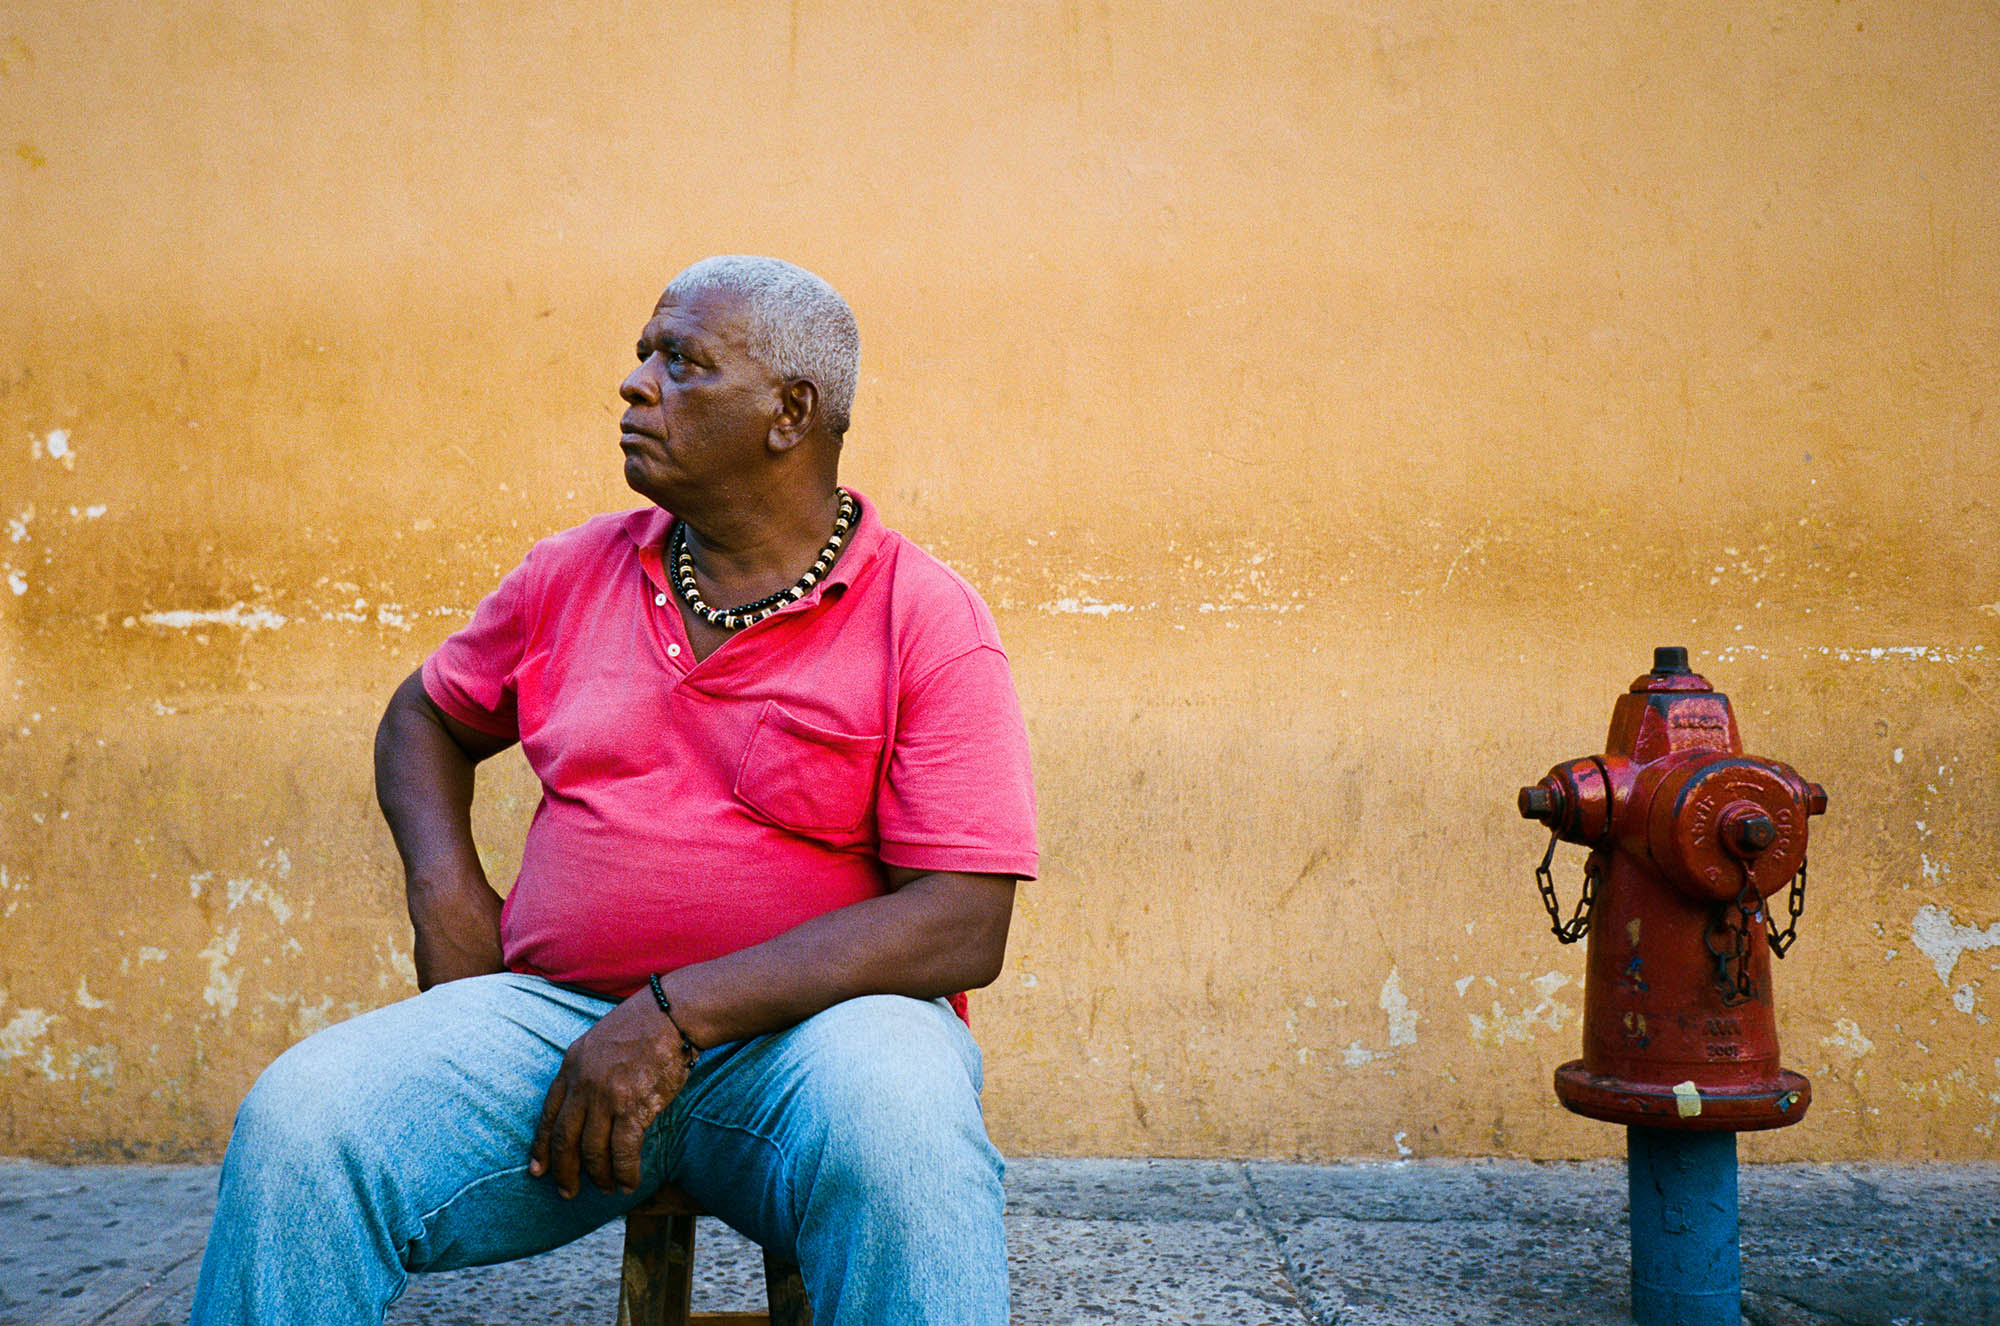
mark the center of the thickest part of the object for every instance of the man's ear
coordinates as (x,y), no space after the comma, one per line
(798,411)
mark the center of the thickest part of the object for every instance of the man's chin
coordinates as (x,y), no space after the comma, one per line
(641,483)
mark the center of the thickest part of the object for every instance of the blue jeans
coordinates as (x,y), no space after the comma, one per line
(398,1142)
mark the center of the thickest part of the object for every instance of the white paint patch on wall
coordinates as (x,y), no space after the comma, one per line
(1402,1018)
(240,891)
(394,964)
(316,1017)
(99,1063)
(237,615)
(1087,607)
(220,993)
(1848,1036)
(1866,653)
(84,998)
(1937,932)
(27,1026)
(1923,653)
(1501,1026)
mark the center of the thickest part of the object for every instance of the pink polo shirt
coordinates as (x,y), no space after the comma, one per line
(691,809)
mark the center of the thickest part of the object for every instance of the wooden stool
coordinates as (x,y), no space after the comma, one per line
(657,1287)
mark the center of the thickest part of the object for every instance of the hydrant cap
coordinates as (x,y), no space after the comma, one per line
(1670,673)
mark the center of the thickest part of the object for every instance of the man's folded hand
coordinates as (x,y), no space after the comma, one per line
(615,1080)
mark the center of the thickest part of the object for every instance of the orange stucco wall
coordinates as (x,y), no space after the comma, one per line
(1335,401)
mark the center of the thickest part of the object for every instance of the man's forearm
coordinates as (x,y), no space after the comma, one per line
(936,935)
(424,783)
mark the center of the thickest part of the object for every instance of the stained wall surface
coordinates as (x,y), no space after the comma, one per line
(1336,402)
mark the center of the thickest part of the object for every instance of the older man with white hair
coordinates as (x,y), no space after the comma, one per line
(785,802)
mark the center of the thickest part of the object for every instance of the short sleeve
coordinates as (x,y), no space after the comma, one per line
(471,675)
(958,788)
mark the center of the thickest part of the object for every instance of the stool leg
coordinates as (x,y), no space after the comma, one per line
(656,1286)
(785,1291)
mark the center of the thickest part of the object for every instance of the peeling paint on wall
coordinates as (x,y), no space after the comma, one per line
(1847,1036)
(253,888)
(27,1026)
(237,615)
(1944,941)
(1087,607)
(1396,1005)
(55,445)
(1500,1027)
(220,992)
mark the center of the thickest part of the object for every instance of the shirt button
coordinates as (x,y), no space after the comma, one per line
(659,600)
(673,651)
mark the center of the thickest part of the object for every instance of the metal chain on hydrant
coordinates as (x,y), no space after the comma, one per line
(1735,931)
(1795,903)
(1578,924)
(1738,986)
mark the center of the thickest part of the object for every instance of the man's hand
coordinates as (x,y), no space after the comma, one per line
(615,1080)
(424,760)
(936,933)
(457,932)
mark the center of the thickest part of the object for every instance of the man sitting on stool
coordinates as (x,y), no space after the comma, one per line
(776,839)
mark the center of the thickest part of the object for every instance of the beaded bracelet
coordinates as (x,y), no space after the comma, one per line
(667,1006)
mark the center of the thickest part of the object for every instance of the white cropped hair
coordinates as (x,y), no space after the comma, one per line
(800,327)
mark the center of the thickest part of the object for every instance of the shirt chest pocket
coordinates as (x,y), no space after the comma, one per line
(807,778)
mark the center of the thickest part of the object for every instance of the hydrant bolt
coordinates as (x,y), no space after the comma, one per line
(1753,833)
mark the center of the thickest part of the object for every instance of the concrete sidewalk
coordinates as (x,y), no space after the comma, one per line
(1159,1241)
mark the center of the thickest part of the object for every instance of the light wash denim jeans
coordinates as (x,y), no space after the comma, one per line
(398,1141)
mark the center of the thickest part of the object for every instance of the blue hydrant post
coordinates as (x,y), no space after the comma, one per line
(1687,1265)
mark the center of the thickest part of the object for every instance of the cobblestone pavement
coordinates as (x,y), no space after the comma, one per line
(1145,1241)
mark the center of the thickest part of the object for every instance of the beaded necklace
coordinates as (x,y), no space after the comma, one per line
(748,614)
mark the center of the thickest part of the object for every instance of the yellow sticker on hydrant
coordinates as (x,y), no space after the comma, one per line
(1687,1099)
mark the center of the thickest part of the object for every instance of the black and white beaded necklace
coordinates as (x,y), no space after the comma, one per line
(735,619)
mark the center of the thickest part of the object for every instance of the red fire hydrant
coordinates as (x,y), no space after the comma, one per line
(1689,838)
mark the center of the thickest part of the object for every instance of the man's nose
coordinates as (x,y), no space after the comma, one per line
(639,387)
